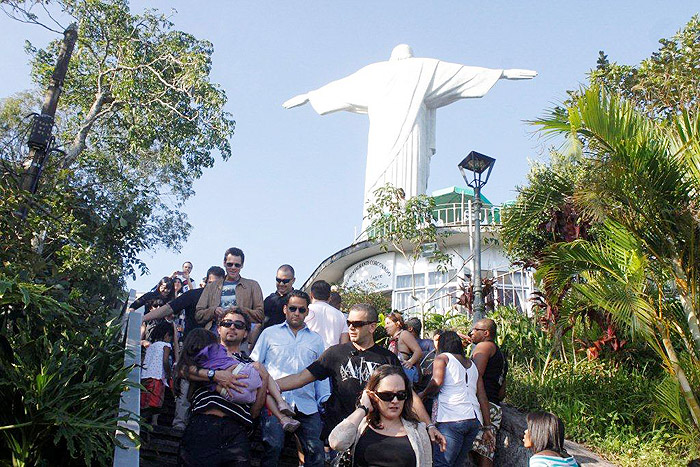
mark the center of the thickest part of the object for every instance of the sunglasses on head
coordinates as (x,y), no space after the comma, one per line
(294,309)
(236,324)
(234,265)
(388,396)
(359,324)
(283,281)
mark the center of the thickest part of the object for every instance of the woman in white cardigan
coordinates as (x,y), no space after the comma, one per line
(383,430)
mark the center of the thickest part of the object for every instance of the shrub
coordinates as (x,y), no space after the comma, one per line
(61,376)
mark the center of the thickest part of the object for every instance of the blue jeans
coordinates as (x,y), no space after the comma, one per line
(309,434)
(460,437)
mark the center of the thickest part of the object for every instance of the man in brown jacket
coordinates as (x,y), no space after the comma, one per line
(233,293)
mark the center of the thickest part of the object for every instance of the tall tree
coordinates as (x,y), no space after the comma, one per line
(665,83)
(138,121)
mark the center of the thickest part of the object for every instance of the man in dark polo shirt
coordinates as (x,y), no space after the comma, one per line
(274,303)
(349,367)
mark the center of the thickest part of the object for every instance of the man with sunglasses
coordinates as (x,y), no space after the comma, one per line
(286,349)
(273,305)
(349,367)
(492,367)
(233,293)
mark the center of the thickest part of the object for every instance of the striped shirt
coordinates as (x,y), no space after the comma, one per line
(204,399)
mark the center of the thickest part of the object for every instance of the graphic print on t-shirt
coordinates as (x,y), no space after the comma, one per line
(360,370)
(228,294)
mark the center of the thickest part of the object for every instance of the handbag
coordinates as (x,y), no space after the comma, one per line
(343,459)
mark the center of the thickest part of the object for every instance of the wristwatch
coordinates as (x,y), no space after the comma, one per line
(210,375)
(363,407)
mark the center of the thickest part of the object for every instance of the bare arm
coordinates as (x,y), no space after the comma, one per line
(176,344)
(482,352)
(296,381)
(412,344)
(439,365)
(485,409)
(166,362)
(223,378)
(423,415)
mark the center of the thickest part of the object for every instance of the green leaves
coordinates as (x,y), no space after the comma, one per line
(61,382)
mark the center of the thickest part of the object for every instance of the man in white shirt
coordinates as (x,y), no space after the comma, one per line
(324,319)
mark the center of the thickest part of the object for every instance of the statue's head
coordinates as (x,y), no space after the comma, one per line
(401,52)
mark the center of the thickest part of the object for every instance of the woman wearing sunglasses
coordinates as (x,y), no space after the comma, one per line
(462,406)
(383,430)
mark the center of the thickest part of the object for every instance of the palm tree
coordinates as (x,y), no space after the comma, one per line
(644,175)
(642,193)
(614,274)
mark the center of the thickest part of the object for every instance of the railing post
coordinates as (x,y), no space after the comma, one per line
(127,455)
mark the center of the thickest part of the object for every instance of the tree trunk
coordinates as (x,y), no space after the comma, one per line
(687,303)
(80,141)
(679,374)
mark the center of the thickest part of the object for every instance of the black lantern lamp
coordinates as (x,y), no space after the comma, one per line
(478,164)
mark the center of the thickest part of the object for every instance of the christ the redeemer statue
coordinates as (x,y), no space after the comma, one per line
(401,96)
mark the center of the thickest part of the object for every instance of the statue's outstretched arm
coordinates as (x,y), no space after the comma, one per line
(296,101)
(515,73)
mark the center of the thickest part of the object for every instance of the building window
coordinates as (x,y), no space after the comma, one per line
(512,289)
(441,292)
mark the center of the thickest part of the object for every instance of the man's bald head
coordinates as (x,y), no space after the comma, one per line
(490,326)
(483,330)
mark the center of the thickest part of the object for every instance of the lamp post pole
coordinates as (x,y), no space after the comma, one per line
(479,308)
(480,167)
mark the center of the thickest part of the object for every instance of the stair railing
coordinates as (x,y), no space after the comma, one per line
(126,453)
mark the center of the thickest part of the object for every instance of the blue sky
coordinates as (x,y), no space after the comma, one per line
(292,191)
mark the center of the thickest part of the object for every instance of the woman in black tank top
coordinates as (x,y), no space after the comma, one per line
(383,431)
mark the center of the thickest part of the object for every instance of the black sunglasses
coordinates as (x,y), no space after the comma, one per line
(236,324)
(359,324)
(234,265)
(294,309)
(283,281)
(388,396)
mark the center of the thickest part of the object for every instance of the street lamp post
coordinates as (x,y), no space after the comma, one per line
(477,164)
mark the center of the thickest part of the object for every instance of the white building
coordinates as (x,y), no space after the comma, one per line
(365,264)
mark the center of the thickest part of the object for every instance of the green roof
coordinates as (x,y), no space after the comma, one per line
(454,194)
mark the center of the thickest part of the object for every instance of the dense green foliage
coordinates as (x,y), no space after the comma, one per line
(61,375)
(611,223)
(609,404)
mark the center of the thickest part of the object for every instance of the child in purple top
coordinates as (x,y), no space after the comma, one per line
(215,357)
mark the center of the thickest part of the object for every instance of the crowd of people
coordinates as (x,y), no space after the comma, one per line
(295,363)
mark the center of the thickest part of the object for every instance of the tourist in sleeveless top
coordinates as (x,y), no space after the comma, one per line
(462,406)
(383,430)
(404,345)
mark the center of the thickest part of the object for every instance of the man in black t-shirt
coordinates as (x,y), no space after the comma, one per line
(349,366)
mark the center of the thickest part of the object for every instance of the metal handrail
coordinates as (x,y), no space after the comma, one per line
(126,453)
